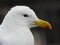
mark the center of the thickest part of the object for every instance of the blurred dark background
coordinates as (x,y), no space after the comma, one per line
(45,9)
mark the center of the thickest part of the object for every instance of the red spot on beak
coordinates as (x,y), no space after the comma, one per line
(47,27)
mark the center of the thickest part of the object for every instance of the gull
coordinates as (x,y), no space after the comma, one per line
(15,28)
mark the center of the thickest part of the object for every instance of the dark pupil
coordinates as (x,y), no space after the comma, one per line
(25,15)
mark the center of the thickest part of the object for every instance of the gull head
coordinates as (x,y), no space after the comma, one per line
(25,16)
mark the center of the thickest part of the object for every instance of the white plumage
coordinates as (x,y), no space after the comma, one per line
(15,28)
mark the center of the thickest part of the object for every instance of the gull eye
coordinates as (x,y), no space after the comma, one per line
(25,15)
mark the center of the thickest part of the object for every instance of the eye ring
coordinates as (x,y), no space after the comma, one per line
(25,15)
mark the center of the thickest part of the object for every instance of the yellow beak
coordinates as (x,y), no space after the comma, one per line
(43,24)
